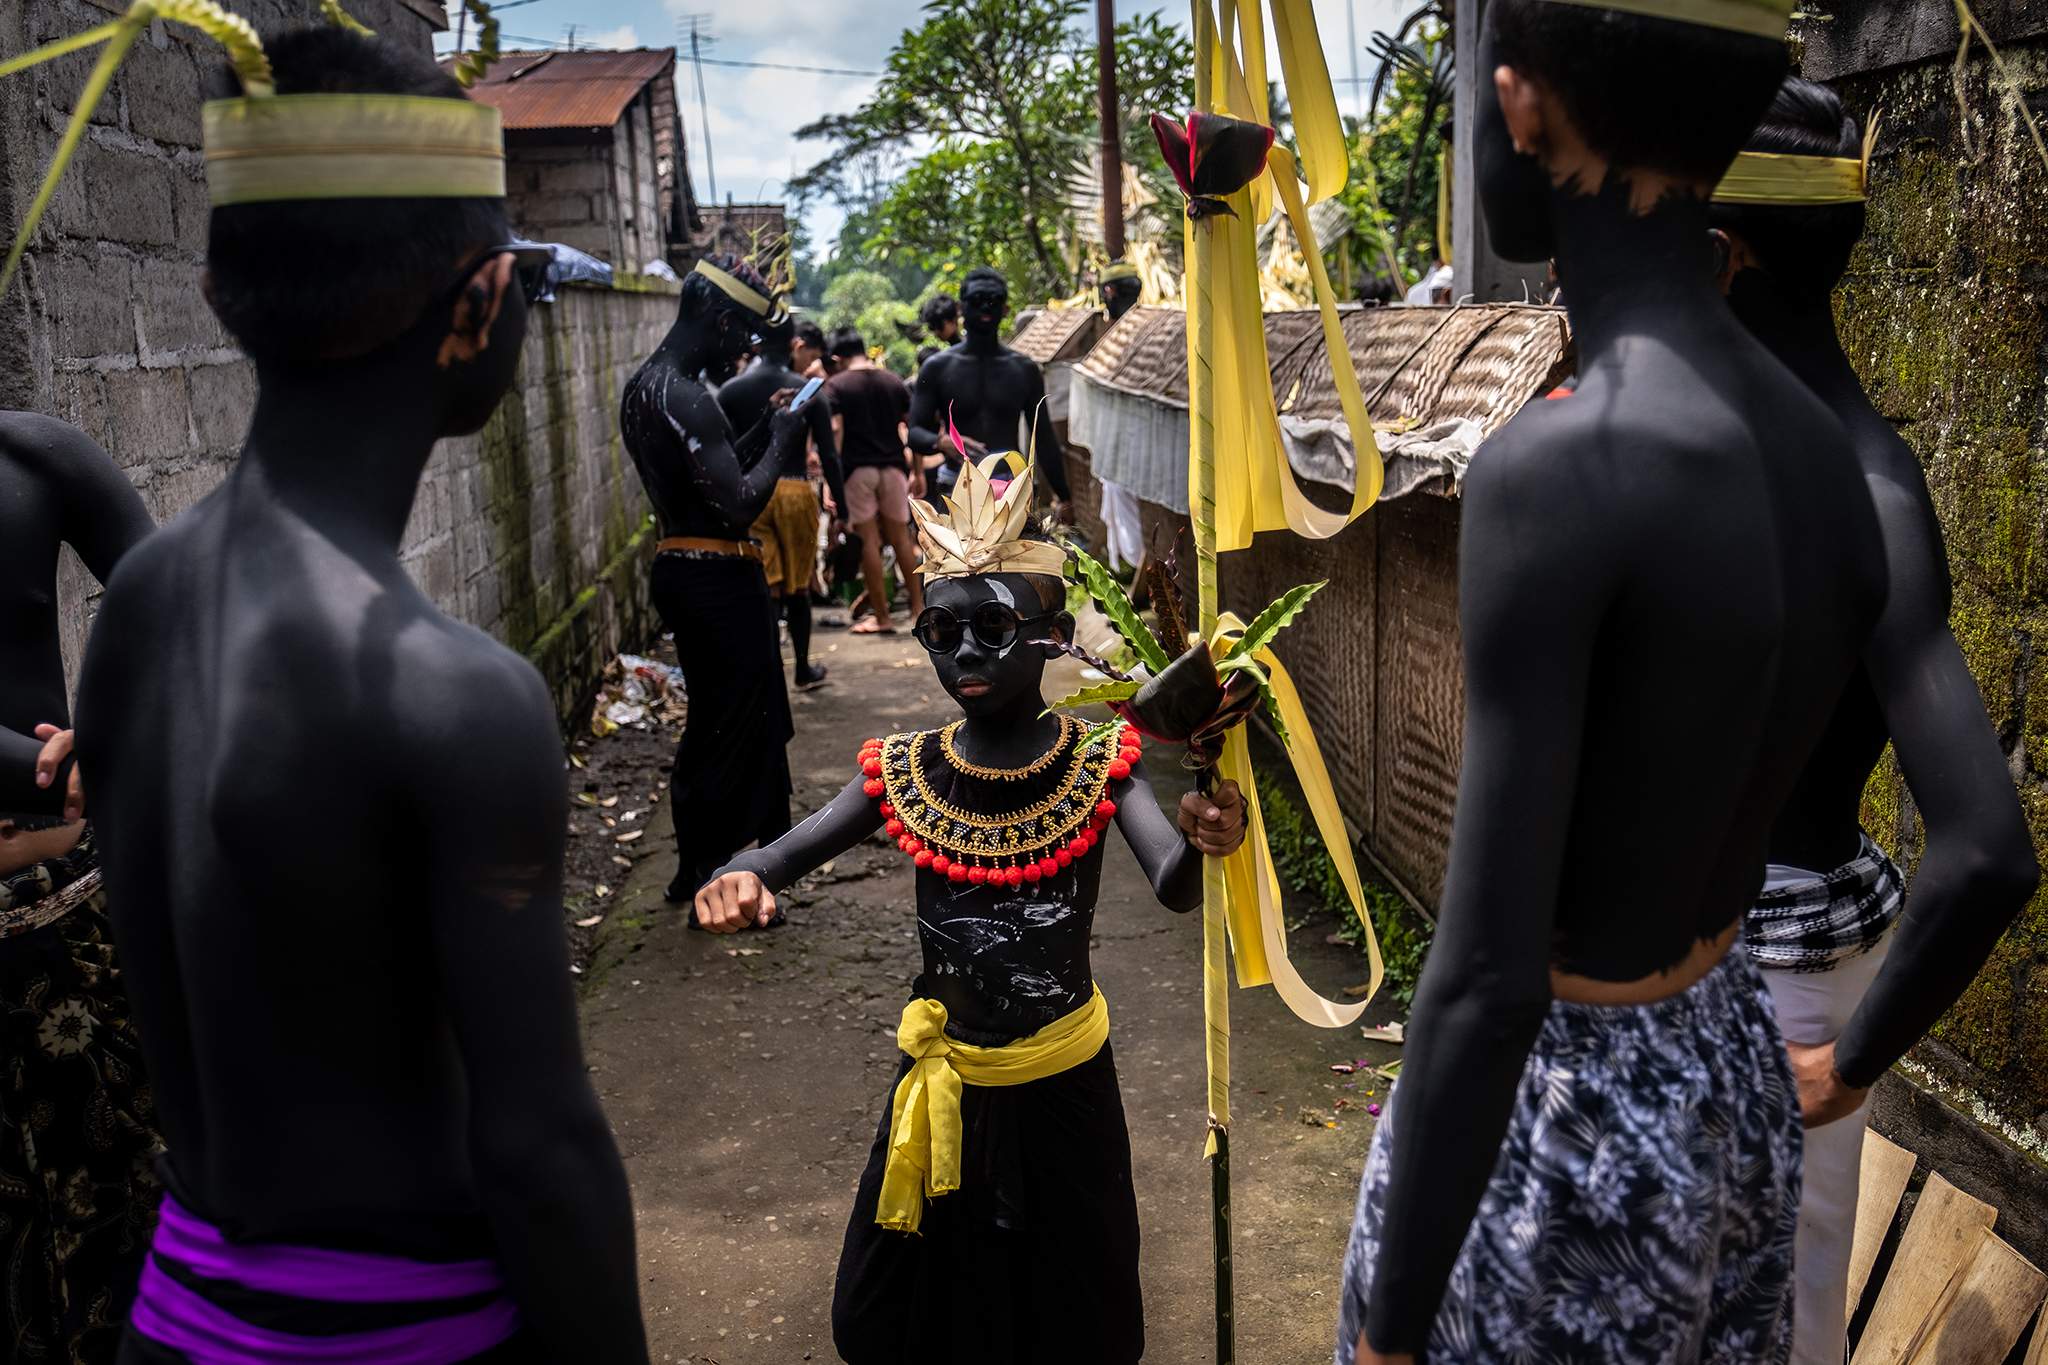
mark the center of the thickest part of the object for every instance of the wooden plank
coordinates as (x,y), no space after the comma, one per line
(1994,1299)
(1937,1248)
(1887,1167)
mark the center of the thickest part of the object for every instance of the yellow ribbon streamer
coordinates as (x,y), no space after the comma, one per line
(1258,932)
(924,1119)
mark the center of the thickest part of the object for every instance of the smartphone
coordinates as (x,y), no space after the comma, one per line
(804,394)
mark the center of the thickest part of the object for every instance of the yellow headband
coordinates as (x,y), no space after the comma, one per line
(743,294)
(300,147)
(1759,18)
(1784,179)
(1117,270)
(1775,178)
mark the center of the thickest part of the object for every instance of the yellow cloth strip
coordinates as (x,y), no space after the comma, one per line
(1758,18)
(925,1133)
(285,148)
(1258,932)
(1780,178)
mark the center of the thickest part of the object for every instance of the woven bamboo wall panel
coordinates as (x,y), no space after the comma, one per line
(1329,650)
(1087,492)
(1421,689)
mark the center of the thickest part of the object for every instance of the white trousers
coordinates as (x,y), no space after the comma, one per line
(1814,1007)
(1123,525)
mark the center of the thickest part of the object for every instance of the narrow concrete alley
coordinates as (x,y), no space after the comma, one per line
(745,1077)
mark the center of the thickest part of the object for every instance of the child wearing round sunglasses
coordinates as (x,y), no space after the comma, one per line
(996,1219)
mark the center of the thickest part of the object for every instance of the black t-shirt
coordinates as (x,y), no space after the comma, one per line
(873,403)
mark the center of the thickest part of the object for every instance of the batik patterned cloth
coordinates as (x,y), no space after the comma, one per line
(78,1189)
(1819,923)
(1643,1206)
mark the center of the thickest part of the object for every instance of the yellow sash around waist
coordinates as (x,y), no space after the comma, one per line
(924,1121)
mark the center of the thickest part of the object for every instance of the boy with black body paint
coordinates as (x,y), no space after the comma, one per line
(1023,1247)
(1851,993)
(1593,1150)
(334,816)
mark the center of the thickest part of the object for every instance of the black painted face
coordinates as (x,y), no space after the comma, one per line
(982,307)
(986,681)
(1514,189)
(1120,297)
(475,386)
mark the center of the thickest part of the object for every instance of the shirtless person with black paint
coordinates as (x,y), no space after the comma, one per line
(1666,582)
(988,391)
(77,1139)
(731,782)
(333,815)
(1852,993)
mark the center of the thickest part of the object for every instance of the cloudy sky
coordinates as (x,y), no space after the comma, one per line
(753,113)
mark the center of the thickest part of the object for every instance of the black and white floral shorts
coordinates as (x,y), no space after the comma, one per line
(1643,1207)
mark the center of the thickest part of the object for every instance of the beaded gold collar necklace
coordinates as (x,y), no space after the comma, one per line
(937,805)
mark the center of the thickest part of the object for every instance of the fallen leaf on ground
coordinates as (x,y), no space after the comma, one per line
(589,920)
(630,835)
(602,890)
(609,802)
(1355,991)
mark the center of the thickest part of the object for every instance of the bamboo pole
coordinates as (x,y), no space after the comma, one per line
(1202,481)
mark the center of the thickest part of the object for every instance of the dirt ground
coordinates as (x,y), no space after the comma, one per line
(744,1076)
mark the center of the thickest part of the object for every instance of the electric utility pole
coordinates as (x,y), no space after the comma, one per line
(699,38)
(1112,138)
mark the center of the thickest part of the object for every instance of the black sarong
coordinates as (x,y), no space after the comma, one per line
(731,782)
(78,1189)
(1034,1258)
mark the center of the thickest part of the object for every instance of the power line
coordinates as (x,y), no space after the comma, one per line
(697,24)
(785,66)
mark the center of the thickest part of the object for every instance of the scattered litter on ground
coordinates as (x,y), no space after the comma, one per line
(1383,1033)
(589,921)
(1342,1068)
(635,692)
(630,835)
(1356,991)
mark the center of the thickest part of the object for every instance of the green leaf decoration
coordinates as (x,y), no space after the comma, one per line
(333,13)
(1271,704)
(1096,695)
(1111,600)
(469,67)
(1270,622)
(1099,733)
(1243,663)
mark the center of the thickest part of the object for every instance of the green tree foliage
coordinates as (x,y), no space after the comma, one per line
(852,294)
(1395,157)
(986,114)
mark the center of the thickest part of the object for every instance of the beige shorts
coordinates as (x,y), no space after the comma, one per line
(873,491)
(788,532)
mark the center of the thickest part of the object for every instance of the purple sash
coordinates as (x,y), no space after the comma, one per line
(173,1315)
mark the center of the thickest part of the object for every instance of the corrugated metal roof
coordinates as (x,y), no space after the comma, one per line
(569,89)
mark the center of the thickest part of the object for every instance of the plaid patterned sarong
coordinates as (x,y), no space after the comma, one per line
(1811,926)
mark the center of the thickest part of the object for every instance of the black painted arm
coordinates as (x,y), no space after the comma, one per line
(1978,868)
(1170,862)
(737,486)
(925,417)
(849,818)
(104,517)
(548,1174)
(1529,598)
(19,794)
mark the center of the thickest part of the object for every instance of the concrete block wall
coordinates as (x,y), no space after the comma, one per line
(563,192)
(522,531)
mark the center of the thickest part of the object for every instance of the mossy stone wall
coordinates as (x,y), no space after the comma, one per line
(1945,314)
